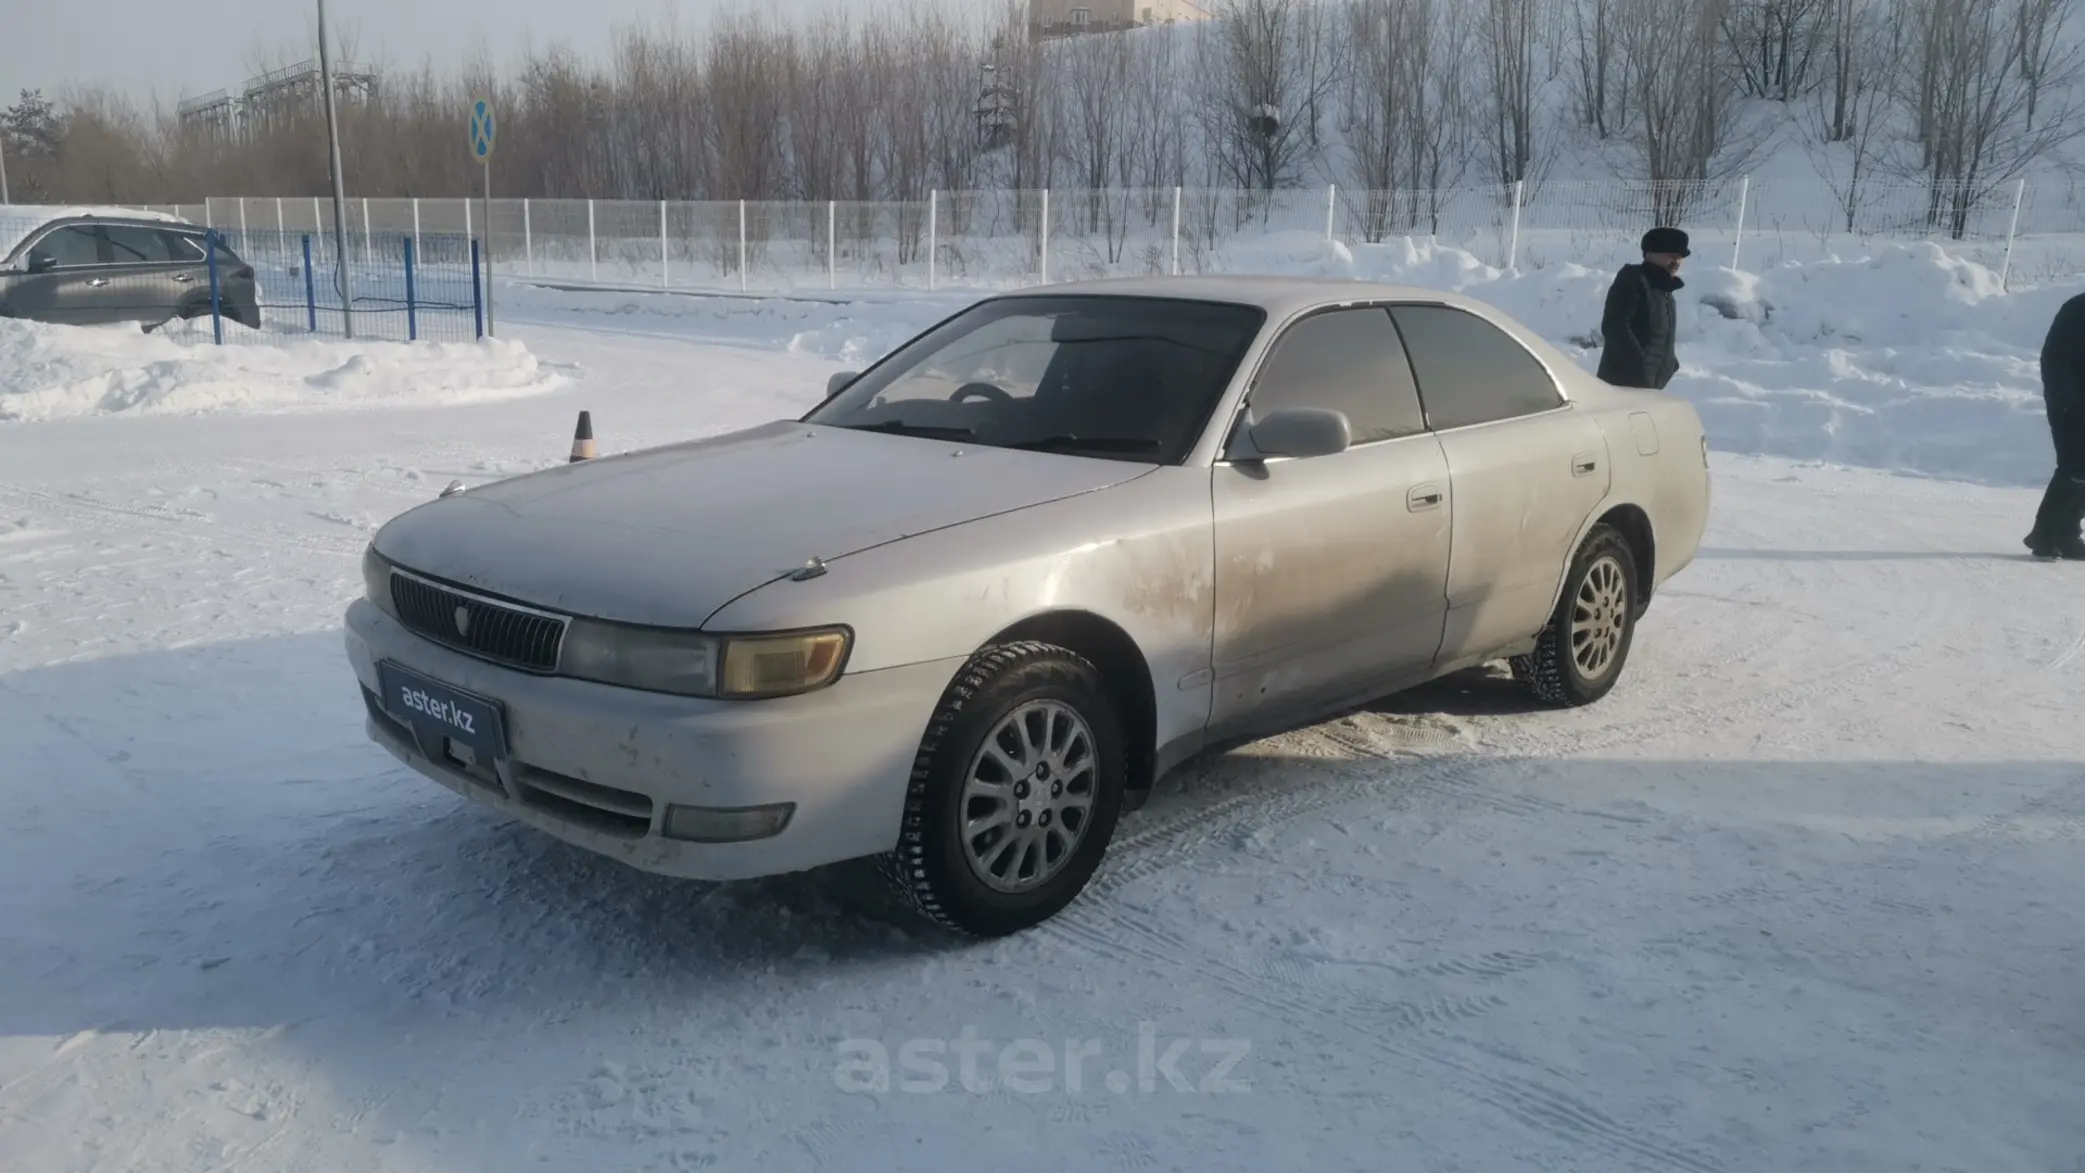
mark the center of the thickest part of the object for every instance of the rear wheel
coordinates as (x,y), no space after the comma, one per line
(1580,655)
(1014,794)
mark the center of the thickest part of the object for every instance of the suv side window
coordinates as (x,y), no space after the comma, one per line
(183,247)
(1348,360)
(1470,371)
(137,246)
(71,247)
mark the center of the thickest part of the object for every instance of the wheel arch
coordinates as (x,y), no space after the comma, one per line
(1633,522)
(1122,665)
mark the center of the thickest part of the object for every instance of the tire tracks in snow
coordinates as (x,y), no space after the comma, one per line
(1404,1029)
(81,513)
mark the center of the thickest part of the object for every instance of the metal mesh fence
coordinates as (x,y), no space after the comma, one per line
(1002,239)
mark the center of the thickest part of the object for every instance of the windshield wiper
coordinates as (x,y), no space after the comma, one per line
(1070,443)
(924,431)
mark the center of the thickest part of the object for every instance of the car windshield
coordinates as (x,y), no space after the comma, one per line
(1123,378)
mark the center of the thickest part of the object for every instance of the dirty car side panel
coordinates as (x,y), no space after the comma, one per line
(1138,555)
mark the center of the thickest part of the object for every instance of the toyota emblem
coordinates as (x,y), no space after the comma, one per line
(463,622)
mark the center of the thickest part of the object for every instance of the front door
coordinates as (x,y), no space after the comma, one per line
(1528,470)
(68,290)
(1331,572)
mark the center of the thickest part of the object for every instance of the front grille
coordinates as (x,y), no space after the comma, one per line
(501,633)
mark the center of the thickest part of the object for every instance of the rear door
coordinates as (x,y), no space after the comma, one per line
(146,282)
(67,292)
(1526,468)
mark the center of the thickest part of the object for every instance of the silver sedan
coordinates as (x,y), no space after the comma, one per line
(964,614)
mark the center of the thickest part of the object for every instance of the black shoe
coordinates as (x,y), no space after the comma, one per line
(2055,550)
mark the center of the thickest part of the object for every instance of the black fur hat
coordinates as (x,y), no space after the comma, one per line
(1665,240)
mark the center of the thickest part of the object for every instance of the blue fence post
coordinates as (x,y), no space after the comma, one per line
(412,305)
(477,294)
(210,239)
(311,289)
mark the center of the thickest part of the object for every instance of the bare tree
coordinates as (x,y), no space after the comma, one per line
(1257,92)
(1378,103)
(1773,44)
(1407,116)
(1509,29)
(1985,121)
(1849,119)
(2039,24)
(1600,69)
(1689,129)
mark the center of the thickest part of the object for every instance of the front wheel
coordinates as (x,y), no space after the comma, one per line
(1579,656)
(1014,794)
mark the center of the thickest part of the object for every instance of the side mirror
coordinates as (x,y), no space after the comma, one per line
(42,262)
(838,383)
(1300,432)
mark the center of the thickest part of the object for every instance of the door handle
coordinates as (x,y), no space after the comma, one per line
(184,278)
(1583,464)
(1423,497)
(97,281)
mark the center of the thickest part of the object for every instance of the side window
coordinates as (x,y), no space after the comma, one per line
(137,246)
(1347,360)
(182,247)
(70,247)
(1470,371)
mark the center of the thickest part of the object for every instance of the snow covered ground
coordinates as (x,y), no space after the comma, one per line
(1800,895)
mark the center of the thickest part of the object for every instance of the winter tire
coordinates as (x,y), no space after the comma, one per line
(1580,655)
(1014,793)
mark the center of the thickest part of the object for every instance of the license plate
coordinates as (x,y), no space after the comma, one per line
(465,718)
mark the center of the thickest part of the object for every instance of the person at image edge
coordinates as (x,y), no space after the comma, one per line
(2055,534)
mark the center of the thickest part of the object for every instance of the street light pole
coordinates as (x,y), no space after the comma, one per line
(340,252)
(3,171)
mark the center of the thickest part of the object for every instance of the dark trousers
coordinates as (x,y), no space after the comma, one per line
(2064,501)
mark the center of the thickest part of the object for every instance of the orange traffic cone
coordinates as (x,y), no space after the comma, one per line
(583,439)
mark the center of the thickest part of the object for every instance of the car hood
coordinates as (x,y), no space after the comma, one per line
(669,535)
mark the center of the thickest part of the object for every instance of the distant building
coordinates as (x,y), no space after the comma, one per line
(1071,18)
(275,100)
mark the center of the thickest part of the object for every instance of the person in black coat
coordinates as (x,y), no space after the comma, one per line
(2056,524)
(1638,327)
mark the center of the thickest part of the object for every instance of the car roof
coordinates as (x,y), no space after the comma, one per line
(1279,296)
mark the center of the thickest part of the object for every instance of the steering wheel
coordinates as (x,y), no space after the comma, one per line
(970,391)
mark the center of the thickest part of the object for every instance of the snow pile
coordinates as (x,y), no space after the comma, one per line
(1908,360)
(57,372)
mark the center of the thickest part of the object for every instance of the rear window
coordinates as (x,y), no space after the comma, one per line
(183,247)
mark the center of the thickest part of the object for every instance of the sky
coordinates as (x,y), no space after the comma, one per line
(172,48)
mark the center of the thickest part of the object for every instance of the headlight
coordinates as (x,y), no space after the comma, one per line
(782,665)
(687,663)
(376,579)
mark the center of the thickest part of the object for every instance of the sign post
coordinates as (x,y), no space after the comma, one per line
(483,132)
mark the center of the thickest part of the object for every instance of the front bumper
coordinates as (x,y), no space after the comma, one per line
(597,766)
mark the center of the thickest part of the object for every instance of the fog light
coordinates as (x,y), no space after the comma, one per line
(708,824)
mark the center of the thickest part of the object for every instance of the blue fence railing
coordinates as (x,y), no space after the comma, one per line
(268,285)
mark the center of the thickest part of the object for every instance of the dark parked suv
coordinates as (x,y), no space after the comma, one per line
(84,270)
